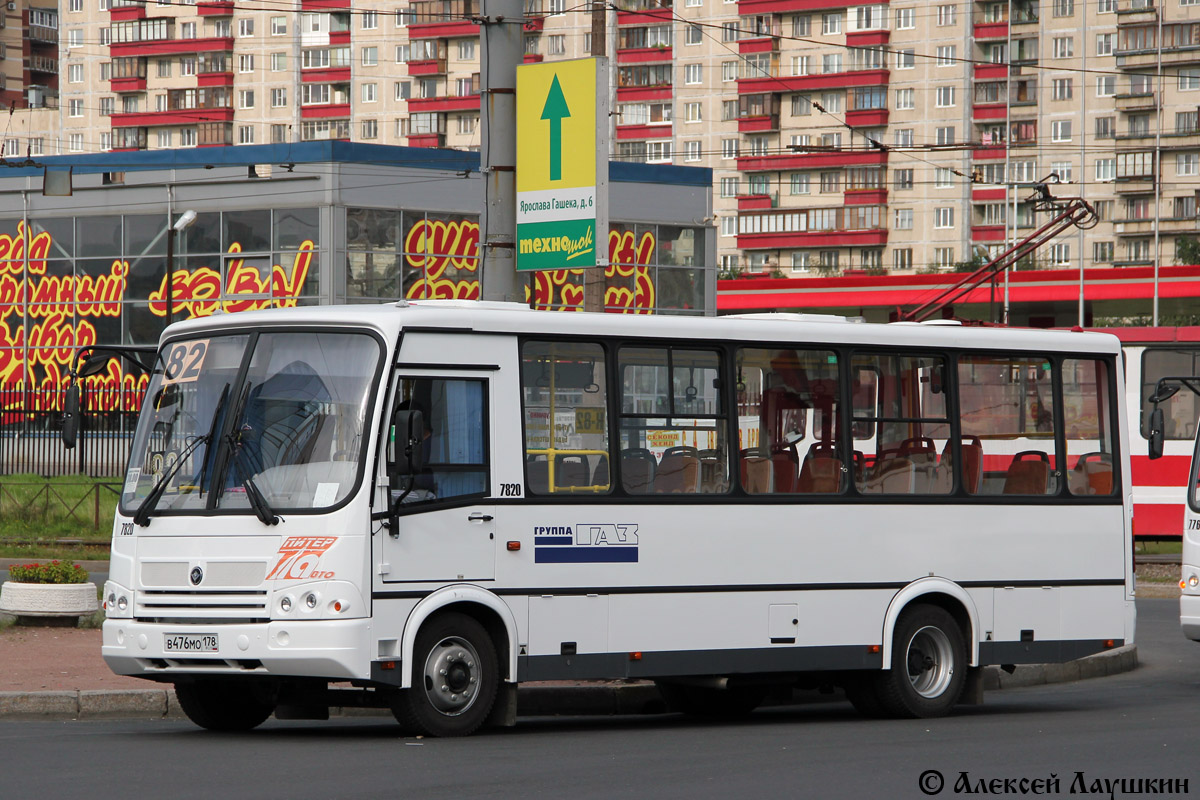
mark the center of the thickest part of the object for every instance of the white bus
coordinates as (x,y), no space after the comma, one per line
(420,505)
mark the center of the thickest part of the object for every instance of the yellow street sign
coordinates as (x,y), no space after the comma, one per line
(556,125)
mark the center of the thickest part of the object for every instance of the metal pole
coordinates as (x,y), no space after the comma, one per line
(500,50)
(593,279)
(1157,174)
(170,268)
(1010,190)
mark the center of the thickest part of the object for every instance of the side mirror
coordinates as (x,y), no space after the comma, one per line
(93,365)
(405,456)
(1156,433)
(70,428)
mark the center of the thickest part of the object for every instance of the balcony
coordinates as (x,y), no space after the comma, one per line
(989,233)
(867,117)
(442,19)
(148,119)
(1137,12)
(644,55)
(427,140)
(133,138)
(325,111)
(815,158)
(43,64)
(989,111)
(170,47)
(221,8)
(326,75)
(324,5)
(757,202)
(991,72)
(758,124)
(438,105)
(813,83)
(42,34)
(985,31)
(121,85)
(1142,101)
(427,66)
(752,7)
(653,130)
(865,197)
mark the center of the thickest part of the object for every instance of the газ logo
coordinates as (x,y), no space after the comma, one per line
(587,543)
(299,557)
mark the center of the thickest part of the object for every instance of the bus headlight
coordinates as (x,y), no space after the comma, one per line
(1193,581)
(285,603)
(118,601)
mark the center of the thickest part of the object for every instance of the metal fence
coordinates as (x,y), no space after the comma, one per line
(31,426)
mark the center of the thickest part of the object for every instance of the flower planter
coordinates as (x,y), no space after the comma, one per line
(48,604)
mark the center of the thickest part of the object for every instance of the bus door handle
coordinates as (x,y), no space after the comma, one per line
(478,517)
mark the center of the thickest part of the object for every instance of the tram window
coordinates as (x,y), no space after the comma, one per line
(1182,410)
(672,423)
(909,422)
(1007,421)
(1087,416)
(788,407)
(566,418)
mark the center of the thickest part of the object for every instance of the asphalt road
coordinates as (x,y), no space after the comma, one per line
(1134,726)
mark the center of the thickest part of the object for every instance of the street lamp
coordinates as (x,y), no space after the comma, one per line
(184,221)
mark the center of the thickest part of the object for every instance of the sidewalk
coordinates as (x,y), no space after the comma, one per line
(57,673)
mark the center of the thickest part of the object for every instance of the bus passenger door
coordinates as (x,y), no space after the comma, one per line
(446,530)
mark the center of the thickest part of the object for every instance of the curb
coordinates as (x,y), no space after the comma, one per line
(600,698)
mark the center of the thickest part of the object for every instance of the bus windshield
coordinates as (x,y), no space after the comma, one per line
(282,414)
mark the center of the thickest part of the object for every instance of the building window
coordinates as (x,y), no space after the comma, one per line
(1106,86)
(370,56)
(368,93)
(729,148)
(800,183)
(1060,254)
(106,140)
(556,45)
(943,217)
(246,27)
(246,63)
(466,50)
(905,100)
(278,62)
(370,20)
(75,73)
(831,63)
(75,108)
(944,135)
(801,105)
(1106,169)
(1102,252)
(1064,47)
(279,134)
(729,71)
(902,178)
(278,98)
(902,258)
(1189,80)
(658,152)
(729,226)
(693,74)
(467,123)
(246,98)
(1060,130)
(831,182)
(403,90)
(944,97)
(903,137)
(1062,169)
(946,15)
(370,129)
(279,26)
(403,53)
(187,30)
(1187,163)
(1064,8)
(1063,88)
(692,112)
(1106,127)
(943,178)
(943,257)
(802,25)
(164,138)
(691,151)
(1104,44)
(831,23)
(107,104)
(904,219)
(187,137)
(945,55)
(75,141)
(729,187)
(245,134)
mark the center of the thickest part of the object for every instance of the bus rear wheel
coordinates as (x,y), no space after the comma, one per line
(455,677)
(226,705)
(928,665)
(708,701)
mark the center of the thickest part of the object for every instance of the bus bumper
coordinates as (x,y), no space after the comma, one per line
(1189,615)
(330,649)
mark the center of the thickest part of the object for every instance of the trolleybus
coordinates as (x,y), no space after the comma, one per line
(419,505)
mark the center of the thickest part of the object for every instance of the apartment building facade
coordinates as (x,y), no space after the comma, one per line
(844,136)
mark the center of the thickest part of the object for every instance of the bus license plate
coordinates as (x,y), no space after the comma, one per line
(190,642)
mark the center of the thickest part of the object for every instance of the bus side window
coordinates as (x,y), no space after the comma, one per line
(565,402)
(1006,404)
(1087,414)
(453,442)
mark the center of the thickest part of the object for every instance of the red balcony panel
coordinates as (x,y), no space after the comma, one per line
(323,5)
(764,45)
(170,46)
(811,161)
(339,37)
(426,140)
(434,104)
(777,241)
(534,24)
(809,83)
(633,94)
(325,112)
(746,7)
(128,84)
(190,116)
(758,124)
(532,58)
(988,153)
(864,197)
(867,38)
(127,12)
(426,66)
(644,17)
(991,30)
(987,195)
(991,71)
(652,131)
(215,9)
(988,233)
(989,111)
(215,79)
(125,149)
(331,75)
(868,117)
(754,202)
(643,55)
(443,30)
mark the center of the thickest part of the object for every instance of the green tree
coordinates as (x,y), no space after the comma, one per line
(1187,250)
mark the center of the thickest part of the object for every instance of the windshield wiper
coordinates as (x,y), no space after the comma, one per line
(262,509)
(142,515)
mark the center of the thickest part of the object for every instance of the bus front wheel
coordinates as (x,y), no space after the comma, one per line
(226,705)
(455,676)
(928,665)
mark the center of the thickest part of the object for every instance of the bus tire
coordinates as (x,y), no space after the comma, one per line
(455,676)
(928,664)
(218,704)
(704,701)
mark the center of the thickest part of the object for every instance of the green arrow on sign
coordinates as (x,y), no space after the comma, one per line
(554,110)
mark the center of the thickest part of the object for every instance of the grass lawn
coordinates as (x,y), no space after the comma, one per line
(67,516)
